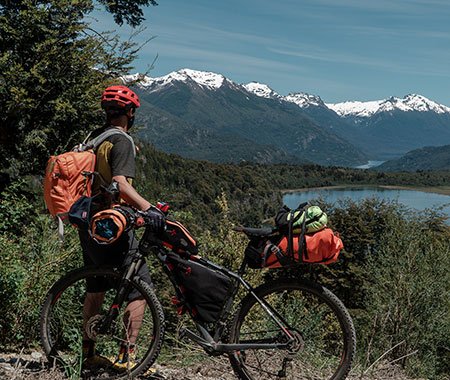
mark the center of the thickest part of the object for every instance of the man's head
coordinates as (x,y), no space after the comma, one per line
(120,104)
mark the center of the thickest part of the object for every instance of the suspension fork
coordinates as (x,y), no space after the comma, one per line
(121,294)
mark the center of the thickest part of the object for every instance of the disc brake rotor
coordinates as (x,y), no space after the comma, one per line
(92,326)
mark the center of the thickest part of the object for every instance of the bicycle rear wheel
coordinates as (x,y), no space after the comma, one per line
(325,339)
(63,325)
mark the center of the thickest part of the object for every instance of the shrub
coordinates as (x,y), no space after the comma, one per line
(408,293)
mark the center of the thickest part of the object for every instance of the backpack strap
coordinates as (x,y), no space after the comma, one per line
(301,236)
(94,143)
(302,241)
(97,141)
(289,259)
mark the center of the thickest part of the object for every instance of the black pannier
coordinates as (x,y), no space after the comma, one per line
(204,289)
(254,252)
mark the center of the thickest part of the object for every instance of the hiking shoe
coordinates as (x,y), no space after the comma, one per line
(127,361)
(97,361)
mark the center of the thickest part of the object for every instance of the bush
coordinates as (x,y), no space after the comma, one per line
(32,259)
(408,293)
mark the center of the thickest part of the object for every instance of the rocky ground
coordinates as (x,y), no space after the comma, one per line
(33,366)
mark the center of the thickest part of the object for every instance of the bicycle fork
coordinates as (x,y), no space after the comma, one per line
(120,296)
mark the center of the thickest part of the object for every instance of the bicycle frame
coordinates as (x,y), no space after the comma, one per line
(205,339)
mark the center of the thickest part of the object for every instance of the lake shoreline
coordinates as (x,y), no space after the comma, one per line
(443,190)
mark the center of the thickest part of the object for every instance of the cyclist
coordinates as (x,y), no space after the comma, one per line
(116,162)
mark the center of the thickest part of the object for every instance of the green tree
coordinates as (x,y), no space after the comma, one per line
(52,69)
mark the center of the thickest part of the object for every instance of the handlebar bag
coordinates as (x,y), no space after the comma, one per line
(177,238)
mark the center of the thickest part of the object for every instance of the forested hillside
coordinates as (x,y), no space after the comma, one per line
(428,158)
(253,191)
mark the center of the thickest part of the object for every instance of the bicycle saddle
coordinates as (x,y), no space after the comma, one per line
(255,232)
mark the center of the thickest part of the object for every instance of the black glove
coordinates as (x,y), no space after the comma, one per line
(155,219)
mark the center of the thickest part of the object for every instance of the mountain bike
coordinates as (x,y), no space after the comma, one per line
(287,328)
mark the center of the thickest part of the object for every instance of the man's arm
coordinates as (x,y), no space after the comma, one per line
(129,194)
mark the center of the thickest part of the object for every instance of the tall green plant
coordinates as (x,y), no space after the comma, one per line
(52,70)
(407,305)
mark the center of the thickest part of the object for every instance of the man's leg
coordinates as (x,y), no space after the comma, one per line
(134,314)
(91,306)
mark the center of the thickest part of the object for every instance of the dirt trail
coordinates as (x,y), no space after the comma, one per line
(34,367)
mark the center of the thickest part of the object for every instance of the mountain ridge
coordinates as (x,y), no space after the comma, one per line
(410,102)
(230,122)
(343,134)
(425,159)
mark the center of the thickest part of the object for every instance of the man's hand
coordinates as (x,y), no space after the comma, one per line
(154,218)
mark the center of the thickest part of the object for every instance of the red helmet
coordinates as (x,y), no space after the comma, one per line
(119,97)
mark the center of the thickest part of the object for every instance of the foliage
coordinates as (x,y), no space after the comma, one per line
(53,68)
(31,262)
(127,10)
(16,207)
(408,293)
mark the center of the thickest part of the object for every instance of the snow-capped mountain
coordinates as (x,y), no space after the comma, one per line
(207,80)
(411,102)
(213,81)
(301,99)
(388,128)
(304,100)
(205,115)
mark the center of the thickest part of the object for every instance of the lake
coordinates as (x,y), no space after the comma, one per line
(370,164)
(413,199)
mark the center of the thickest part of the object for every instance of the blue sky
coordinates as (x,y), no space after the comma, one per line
(337,49)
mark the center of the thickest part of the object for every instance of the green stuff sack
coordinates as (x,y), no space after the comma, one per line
(316,219)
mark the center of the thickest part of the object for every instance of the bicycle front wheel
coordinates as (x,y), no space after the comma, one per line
(70,315)
(324,337)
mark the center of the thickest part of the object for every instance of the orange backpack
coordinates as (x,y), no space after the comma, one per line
(70,175)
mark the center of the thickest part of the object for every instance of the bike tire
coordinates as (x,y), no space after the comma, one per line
(61,326)
(325,342)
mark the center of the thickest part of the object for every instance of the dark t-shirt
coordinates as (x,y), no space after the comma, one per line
(115,156)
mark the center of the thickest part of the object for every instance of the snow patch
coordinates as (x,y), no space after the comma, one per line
(411,102)
(304,100)
(261,90)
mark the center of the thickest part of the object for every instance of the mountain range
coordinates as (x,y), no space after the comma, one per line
(205,115)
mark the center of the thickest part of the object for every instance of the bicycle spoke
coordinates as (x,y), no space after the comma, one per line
(74,316)
(318,343)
